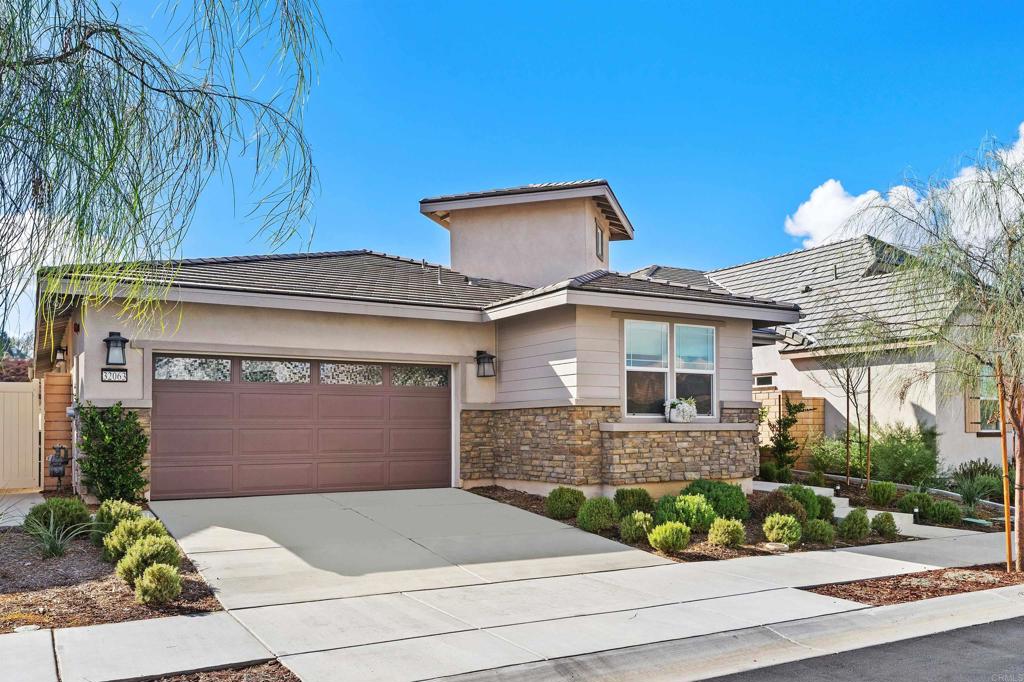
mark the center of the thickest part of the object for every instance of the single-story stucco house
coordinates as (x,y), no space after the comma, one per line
(527,363)
(857,277)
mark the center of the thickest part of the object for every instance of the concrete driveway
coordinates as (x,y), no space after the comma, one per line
(260,551)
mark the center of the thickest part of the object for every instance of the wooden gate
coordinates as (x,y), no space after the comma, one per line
(19,435)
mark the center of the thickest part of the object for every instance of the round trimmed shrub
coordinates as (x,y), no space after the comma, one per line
(672,536)
(152,549)
(158,584)
(564,503)
(816,478)
(855,526)
(728,500)
(127,533)
(882,493)
(820,531)
(111,513)
(826,508)
(66,512)
(630,500)
(945,511)
(782,528)
(768,472)
(727,533)
(807,498)
(778,502)
(885,525)
(922,501)
(597,514)
(696,512)
(665,510)
(634,527)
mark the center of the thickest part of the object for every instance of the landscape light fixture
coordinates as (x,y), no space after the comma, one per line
(115,348)
(484,364)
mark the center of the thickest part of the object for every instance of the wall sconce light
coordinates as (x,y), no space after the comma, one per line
(115,348)
(484,364)
(60,354)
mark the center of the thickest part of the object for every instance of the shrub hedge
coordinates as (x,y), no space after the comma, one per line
(783,528)
(126,533)
(728,500)
(634,527)
(696,512)
(727,533)
(111,513)
(67,512)
(820,531)
(885,525)
(855,526)
(152,549)
(672,536)
(630,500)
(597,514)
(564,503)
(158,584)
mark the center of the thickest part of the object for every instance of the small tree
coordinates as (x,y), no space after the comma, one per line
(783,445)
(114,446)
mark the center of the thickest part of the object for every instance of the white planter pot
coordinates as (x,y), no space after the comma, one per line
(682,414)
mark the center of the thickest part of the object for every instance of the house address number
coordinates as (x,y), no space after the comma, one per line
(115,375)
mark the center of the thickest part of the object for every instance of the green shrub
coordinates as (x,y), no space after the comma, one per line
(630,500)
(904,454)
(727,533)
(66,512)
(922,501)
(807,498)
(126,533)
(976,488)
(855,526)
(768,472)
(782,528)
(113,445)
(152,549)
(665,510)
(727,499)
(696,512)
(945,511)
(52,538)
(158,584)
(820,532)
(111,513)
(597,514)
(778,502)
(817,479)
(826,508)
(672,536)
(828,454)
(882,493)
(634,527)
(564,503)
(977,467)
(885,525)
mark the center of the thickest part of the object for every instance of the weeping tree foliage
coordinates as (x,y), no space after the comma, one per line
(963,284)
(108,136)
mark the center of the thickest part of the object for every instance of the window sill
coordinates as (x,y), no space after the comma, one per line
(987,434)
(666,426)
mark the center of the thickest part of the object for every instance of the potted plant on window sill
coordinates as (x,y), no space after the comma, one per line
(681,411)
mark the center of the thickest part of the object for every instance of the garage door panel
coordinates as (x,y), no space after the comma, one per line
(352,440)
(185,404)
(192,481)
(365,475)
(353,407)
(192,442)
(420,407)
(279,441)
(414,440)
(278,477)
(278,406)
(417,473)
(246,438)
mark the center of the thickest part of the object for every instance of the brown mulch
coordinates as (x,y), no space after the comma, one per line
(699,548)
(79,588)
(924,585)
(264,672)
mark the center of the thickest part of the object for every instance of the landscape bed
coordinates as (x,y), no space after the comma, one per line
(79,588)
(264,672)
(924,585)
(699,548)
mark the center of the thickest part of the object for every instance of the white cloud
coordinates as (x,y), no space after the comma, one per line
(828,213)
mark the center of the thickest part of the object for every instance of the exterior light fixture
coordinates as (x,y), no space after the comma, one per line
(60,354)
(115,348)
(484,364)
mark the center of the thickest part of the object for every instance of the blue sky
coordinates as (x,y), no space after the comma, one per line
(712,123)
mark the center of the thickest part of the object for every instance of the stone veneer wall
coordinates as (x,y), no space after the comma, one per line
(565,446)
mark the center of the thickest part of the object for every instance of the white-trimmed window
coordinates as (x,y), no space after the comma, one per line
(988,401)
(763,380)
(599,237)
(654,374)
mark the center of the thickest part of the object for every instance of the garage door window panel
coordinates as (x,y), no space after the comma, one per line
(423,376)
(275,372)
(176,368)
(351,374)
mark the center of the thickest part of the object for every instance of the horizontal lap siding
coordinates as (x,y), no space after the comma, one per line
(600,356)
(537,356)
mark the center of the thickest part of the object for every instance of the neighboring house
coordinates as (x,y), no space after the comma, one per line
(356,370)
(854,277)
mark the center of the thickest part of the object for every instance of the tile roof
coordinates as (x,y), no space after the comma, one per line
(520,189)
(351,275)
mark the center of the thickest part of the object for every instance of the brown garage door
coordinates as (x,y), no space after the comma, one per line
(248,426)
